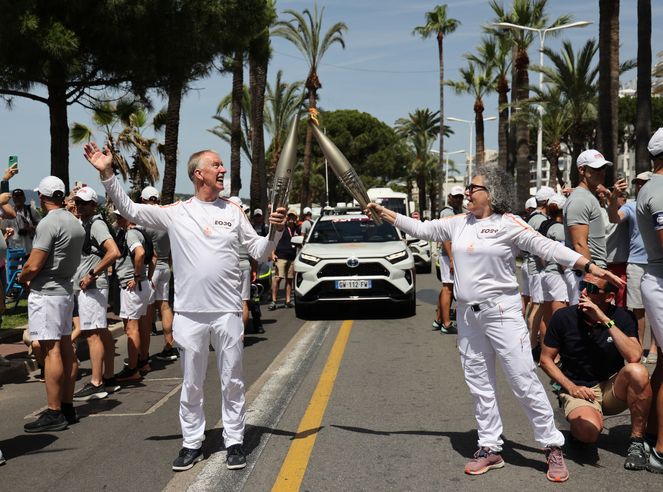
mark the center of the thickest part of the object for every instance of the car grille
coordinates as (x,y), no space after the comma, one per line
(380,289)
(342,270)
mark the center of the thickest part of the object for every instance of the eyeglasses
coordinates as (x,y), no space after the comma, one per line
(594,289)
(473,188)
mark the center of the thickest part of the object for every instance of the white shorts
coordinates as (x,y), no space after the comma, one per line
(133,304)
(572,286)
(535,288)
(634,273)
(245,283)
(49,317)
(445,270)
(92,308)
(524,285)
(160,284)
(554,287)
(652,293)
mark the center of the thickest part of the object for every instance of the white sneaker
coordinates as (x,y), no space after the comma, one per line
(2,459)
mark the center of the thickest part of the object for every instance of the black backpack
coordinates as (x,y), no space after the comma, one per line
(87,244)
(124,248)
(545,226)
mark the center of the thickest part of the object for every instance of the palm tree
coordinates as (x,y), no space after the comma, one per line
(224,129)
(478,82)
(529,13)
(643,111)
(437,23)
(495,52)
(284,101)
(304,30)
(608,134)
(237,64)
(422,121)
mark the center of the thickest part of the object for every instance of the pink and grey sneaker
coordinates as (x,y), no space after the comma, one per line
(484,459)
(557,470)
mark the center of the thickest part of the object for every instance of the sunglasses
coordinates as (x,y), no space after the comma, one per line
(473,188)
(594,289)
(79,202)
(152,199)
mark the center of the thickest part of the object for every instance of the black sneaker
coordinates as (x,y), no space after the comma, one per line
(168,354)
(259,329)
(290,304)
(111,385)
(187,458)
(50,420)
(91,392)
(128,374)
(144,367)
(69,413)
(636,456)
(235,459)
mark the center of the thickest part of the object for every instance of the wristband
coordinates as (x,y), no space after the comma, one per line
(609,324)
(588,265)
(91,273)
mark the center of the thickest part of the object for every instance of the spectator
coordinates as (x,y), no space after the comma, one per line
(25,223)
(259,223)
(284,261)
(307,223)
(617,239)
(594,339)
(584,227)
(48,271)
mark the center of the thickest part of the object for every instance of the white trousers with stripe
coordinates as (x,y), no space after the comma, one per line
(193,333)
(500,333)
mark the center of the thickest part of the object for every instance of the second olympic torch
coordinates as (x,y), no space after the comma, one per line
(343,169)
(283,172)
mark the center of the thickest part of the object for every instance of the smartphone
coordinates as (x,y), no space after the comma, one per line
(13,161)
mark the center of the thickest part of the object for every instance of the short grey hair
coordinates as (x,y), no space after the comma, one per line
(500,186)
(195,161)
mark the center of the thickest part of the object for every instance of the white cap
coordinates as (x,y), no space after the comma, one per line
(457,190)
(557,199)
(655,145)
(236,200)
(307,210)
(257,211)
(87,194)
(646,176)
(149,192)
(245,208)
(531,202)
(544,193)
(592,158)
(50,185)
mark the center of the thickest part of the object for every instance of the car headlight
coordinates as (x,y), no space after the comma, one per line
(422,244)
(396,257)
(309,259)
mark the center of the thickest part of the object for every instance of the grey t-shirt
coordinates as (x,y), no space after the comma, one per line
(582,208)
(649,210)
(61,235)
(535,220)
(98,234)
(124,266)
(617,240)
(161,243)
(556,233)
(306,227)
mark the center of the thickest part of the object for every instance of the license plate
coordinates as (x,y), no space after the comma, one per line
(353,284)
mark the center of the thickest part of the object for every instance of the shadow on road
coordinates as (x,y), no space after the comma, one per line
(428,296)
(26,444)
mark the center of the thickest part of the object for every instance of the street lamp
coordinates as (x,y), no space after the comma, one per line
(542,37)
(469,156)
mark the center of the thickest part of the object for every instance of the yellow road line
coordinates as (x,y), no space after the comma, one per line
(292,471)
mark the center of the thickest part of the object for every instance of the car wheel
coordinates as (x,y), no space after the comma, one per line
(426,268)
(302,311)
(411,306)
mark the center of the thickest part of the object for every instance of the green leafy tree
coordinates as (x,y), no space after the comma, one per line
(224,128)
(305,31)
(438,24)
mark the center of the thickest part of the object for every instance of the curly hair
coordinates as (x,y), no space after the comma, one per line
(500,186)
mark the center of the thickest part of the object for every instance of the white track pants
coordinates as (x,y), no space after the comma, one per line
(500,333)
(193,333)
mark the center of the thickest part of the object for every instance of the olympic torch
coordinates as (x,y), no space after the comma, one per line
(342,168)
(283,172)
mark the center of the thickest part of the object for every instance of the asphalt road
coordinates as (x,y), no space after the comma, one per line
(392,410)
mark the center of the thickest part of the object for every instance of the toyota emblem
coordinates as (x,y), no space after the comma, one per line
(352,262)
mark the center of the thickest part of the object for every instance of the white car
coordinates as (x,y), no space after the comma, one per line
(347,258)
(421,253)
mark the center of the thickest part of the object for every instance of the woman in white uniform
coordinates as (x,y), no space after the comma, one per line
(485,242)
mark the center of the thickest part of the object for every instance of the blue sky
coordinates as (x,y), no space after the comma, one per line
(384,71)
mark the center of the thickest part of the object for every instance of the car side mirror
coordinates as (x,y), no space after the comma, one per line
(297,240)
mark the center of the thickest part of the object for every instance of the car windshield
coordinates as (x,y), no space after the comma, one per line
(354,230)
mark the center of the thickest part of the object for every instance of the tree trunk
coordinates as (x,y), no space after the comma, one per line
(643,108)
(608,135)
(554,175)
(59,126)
(503,130)
(522,131)
(421,184)
(440,168)
(258,83)
(478,124)
(175,90)
(305,196)
(511,136)
(236,124)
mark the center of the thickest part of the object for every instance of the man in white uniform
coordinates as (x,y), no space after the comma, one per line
(205,233)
